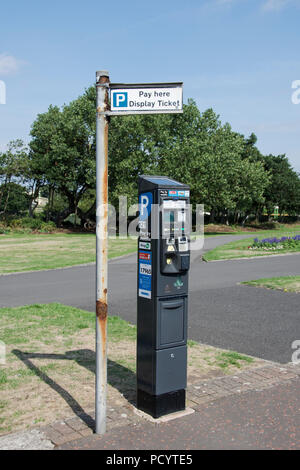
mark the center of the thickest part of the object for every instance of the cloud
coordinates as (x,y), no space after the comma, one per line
(9,64)
(277,5)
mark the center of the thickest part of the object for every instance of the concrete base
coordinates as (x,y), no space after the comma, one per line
(166,418)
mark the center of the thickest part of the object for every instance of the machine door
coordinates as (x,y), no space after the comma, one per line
(171,372)
(171,323)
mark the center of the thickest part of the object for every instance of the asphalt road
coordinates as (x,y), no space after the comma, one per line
(250,320)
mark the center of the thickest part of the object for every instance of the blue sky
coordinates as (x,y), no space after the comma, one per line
(239,57)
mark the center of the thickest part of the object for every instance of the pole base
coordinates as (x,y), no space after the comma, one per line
(160,405)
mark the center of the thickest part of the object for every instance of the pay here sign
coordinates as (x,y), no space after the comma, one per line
(146,99)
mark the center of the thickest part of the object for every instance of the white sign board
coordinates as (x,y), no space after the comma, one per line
(146,99)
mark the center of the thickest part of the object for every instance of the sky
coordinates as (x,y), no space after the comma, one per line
(239,57)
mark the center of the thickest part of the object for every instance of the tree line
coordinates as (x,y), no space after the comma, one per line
(225,170)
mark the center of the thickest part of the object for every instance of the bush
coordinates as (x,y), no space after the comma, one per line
(26,222)
(4,229)
(48,227)
(271,225)
(29,224)
(14,201)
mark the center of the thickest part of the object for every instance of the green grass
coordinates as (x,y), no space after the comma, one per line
(24,325)
(239,248)
(34,327)
(3,377)
(3,404)
(225,359)
(231,358)
(287,284)
(50,350)
(191,343)
(32,252)
(219,229)
(30,327)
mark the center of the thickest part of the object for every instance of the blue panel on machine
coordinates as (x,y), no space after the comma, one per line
(145,274)
(145,203)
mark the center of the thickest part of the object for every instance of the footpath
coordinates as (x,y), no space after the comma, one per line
(254,409)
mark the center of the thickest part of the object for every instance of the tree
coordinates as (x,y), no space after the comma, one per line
(63,150)
(225,170)
(12,168)
(14,201)
(284,189)
(196,148)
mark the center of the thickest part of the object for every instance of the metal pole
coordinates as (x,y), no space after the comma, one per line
(102,84)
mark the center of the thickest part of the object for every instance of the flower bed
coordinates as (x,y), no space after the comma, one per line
(272,244)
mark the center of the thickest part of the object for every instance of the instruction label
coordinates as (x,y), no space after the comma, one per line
(145,274)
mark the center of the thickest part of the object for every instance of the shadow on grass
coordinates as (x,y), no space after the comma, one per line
(119,377)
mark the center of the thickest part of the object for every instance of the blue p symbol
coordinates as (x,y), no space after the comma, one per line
(145,205)
(120,100)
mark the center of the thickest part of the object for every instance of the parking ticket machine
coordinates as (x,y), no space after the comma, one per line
(163,266)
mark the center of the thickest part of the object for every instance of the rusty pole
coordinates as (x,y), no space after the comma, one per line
(102,86)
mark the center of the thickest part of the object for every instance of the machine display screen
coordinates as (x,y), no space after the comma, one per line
(169,216)
(174,218)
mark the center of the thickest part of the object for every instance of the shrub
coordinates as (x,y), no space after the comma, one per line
(271,225)
(28,224)
(4,229)
(48,227)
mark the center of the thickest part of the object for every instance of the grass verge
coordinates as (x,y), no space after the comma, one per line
(33,252)
(50,364)
(287,284)
(240,248)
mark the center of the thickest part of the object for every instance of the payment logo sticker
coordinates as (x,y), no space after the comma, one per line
(145,245)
